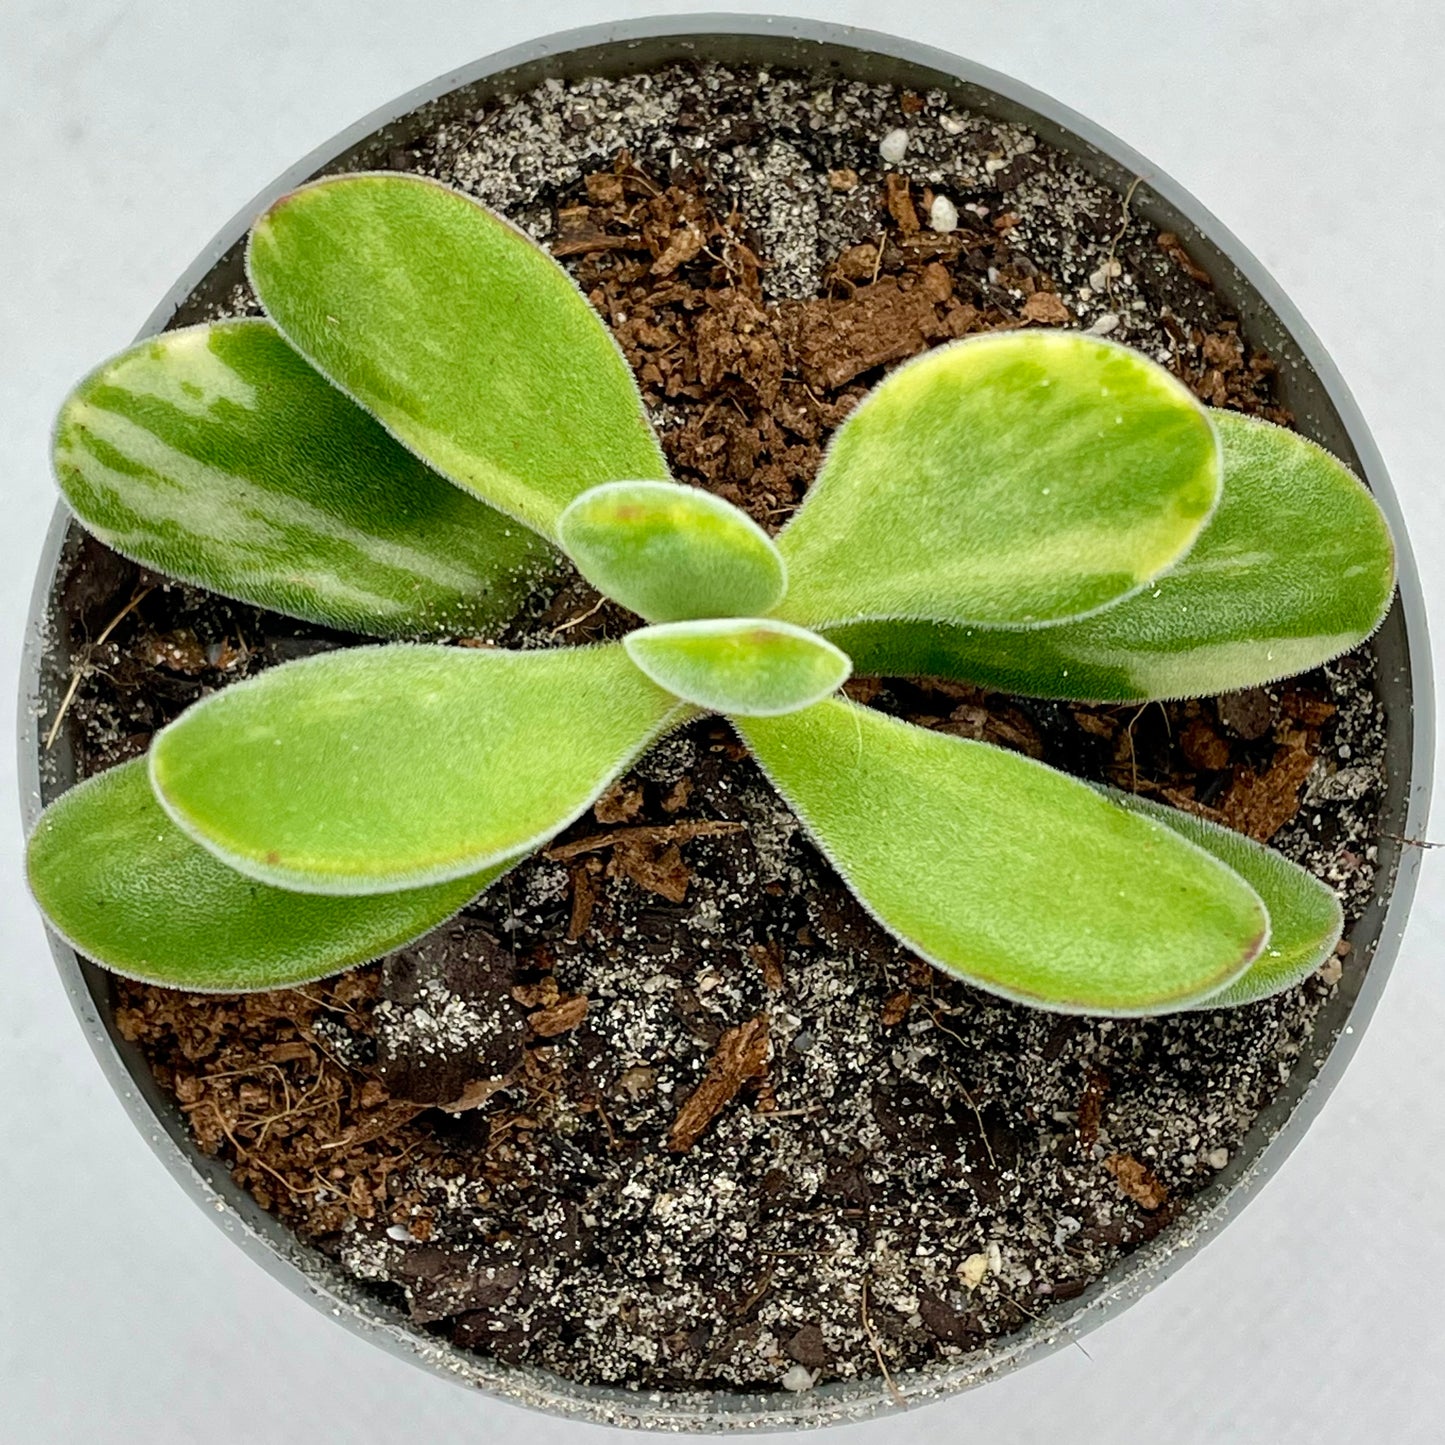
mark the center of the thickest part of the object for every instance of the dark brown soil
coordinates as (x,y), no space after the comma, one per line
(665,1108)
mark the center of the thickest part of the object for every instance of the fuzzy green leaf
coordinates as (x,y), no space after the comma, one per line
(218,456)
(746,666)
(1010,479)
(671,553)
(1296,567)
(1018,878)
(124,886)
(466,340)
(1305,917)
(394,767)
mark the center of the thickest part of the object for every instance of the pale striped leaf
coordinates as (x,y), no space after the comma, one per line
(218,456)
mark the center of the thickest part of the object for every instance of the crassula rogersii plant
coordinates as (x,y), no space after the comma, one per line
(431,412)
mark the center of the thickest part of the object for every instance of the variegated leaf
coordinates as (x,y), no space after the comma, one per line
(1011,479)
(1296,567)
(218,456)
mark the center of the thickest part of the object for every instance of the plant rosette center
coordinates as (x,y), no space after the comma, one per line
(431,416)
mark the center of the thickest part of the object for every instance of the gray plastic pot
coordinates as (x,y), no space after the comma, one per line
(1310,387)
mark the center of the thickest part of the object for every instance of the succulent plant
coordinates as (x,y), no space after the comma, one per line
(432,411)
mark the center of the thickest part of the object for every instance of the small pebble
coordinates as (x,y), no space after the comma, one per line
(1217,1158)
(973,1270)
(943,215)
(398,1232)
(894,146)
(1110,271)
(798,1379)
(1105,324)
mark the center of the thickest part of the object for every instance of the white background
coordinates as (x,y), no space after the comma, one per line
(129,132)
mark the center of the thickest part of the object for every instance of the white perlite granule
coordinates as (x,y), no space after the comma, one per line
(442,1023)
(943,215)
(894,146)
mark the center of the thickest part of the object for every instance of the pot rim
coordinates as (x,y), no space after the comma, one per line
(313,1276)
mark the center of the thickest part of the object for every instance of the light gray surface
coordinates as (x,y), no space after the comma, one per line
(135,130)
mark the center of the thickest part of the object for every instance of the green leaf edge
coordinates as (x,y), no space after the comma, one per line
(115,777)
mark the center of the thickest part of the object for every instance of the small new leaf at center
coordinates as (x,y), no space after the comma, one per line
(672,553)
(746,666)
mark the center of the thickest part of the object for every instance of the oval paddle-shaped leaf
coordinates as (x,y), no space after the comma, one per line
(218,456)
(1296,567)
(746,666)
(394,767)
(124,886)
(1305,917)
(460,335)
(1012,479)
(1013,876)
(672,553)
